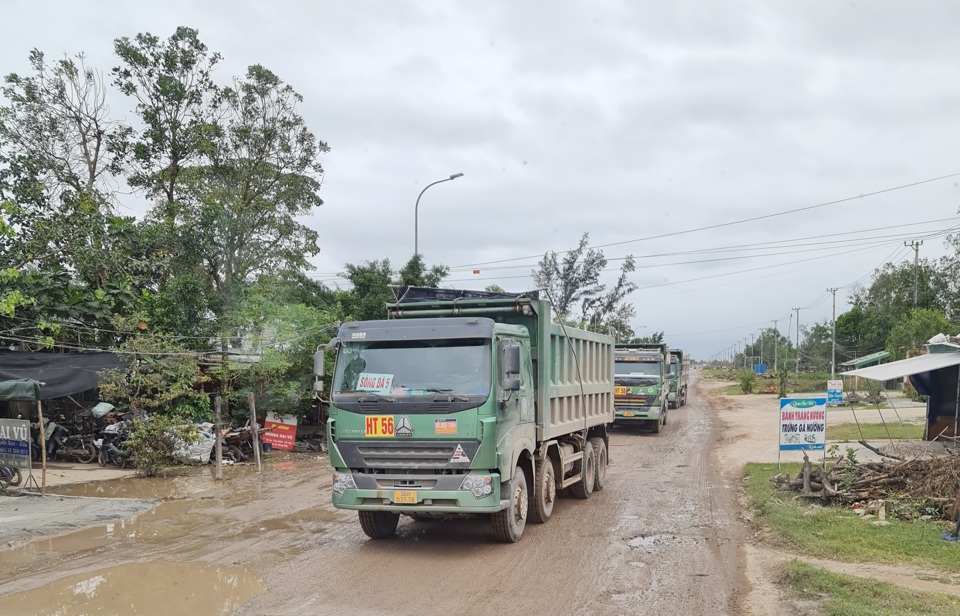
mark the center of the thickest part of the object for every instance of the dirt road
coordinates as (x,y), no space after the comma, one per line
(662,537)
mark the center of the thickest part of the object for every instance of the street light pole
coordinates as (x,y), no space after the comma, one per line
(416,212)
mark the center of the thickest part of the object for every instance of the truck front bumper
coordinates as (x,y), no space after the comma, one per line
(383,493)
(638,414)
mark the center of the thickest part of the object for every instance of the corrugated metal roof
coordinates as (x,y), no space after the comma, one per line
(906,367)
(866,360)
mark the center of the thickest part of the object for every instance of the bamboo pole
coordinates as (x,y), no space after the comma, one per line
(254,435)
(218,445)
(43,451)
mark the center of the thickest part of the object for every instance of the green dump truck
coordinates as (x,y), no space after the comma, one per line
(641,385)
(467,403)
(679,372)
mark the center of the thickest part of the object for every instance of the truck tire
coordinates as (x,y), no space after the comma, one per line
(655,425)
(509,523)
(588,466)
(683,400)
(600,453)
(379,524)
(544,493)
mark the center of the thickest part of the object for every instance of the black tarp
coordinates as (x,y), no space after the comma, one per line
(409,294)
(62,374)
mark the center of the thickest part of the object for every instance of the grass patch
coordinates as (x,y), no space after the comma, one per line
(832,532)
(848,432)
(844,595)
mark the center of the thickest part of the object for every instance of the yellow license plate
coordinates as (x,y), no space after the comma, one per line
(378,425)
(628,414)
(406,497)
(620,391)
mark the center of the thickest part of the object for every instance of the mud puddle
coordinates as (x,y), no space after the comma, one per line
(142,589)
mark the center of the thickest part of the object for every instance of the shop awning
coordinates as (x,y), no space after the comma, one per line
(20,389)
(906,367)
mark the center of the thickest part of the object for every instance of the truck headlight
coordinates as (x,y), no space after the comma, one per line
(478,485)
(342,481)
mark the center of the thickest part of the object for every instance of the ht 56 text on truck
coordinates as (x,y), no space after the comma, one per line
(467,403)
(642,386)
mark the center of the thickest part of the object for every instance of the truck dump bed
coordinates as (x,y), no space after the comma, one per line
(573,368)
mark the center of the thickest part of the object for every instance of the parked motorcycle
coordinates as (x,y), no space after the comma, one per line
(53,434)
(77,447)
(109,445)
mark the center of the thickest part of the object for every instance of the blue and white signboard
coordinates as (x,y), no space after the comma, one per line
(15,443)
(803,423)
(835,392)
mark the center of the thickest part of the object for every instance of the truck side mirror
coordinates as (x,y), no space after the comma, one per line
(318,364)
(510,359)
(510,385)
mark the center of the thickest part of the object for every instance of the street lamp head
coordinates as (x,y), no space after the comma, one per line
(456,175)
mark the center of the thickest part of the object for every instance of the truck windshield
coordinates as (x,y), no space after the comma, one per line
(672,371)
(415,367)
(640,370)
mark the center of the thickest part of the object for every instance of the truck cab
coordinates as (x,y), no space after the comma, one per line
(641,386)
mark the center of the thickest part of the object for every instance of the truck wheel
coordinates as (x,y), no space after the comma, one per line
(588,466)
(655,425)
(379,524)
(544,494)
(600,453)
(683,401)
(509,523)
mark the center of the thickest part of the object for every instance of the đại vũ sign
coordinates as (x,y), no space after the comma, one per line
(281,430)
(15,443)
(803,423)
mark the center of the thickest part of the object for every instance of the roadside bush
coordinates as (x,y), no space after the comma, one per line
(782,375)
(748,379)
(153,441)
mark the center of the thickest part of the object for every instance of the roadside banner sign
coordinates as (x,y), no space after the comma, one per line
(835,392)
(15,443)
(281,431)
(803,423)
(760,368)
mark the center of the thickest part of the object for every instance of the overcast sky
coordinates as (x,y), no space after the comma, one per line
(624,119)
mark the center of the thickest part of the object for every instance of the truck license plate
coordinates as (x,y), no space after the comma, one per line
(620,391)
(628,414)
(406,497)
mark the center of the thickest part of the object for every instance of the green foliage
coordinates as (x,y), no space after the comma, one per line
(576,281)
(153,442)
(162,377)
(908,336)
(370,293)
(748,380)
(843,595)
(783,374)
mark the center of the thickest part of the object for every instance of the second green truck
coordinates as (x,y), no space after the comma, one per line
(642,384)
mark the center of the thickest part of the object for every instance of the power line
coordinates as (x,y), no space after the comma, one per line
(735,222)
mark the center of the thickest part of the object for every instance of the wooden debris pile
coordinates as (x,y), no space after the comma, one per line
(932,484)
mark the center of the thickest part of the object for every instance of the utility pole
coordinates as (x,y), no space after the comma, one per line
(753,349)
(776,343)
(744,353)
(916,261)
(797,369)
(761,346)
(833,335)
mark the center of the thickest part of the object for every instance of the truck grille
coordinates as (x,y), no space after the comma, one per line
(407,456)
(633,405)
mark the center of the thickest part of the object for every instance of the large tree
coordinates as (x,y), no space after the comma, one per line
(574,282)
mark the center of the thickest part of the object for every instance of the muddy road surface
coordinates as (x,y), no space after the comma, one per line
(662,537)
